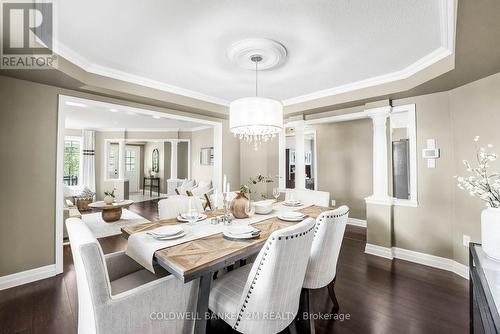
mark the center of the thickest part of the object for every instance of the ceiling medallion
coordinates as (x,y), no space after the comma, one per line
(256,119)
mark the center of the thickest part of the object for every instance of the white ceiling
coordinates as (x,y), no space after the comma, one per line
(97,117)
(180,46)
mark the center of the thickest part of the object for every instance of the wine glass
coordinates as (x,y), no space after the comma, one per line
(276,193)
(249,208)
(192,216)
(192,213)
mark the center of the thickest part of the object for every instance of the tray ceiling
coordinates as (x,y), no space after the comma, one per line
(180,46)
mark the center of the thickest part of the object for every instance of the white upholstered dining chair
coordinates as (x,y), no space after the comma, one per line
(325,250)
(117,295)
(316,197)
(174,205)
(252,294)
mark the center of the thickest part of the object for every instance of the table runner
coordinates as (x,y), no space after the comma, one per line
(142,247)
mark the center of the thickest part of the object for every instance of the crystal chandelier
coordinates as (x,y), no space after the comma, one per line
(255,119)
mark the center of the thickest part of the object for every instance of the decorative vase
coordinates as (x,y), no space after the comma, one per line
(490,232)
(238,206)
(108,199)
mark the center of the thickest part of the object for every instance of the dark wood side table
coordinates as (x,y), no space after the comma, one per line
(154,183)
(484,290)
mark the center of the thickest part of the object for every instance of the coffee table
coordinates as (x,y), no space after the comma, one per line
(111,212)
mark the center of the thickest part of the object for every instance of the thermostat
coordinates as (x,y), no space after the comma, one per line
(431,153)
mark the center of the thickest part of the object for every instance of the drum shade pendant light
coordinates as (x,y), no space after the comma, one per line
(256,119)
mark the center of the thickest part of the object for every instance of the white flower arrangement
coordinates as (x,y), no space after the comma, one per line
(480,183)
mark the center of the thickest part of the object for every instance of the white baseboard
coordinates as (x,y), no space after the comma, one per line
(27,276)
(420,258)
(379,251)
(356,222)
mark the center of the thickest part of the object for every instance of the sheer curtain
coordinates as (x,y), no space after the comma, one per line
(88,159)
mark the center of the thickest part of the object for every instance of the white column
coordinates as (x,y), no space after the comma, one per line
(121,160)
(173,160)
(380,172)
(300,157)
(281,159)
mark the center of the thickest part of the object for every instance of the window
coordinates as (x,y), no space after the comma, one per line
(130,158)
(71,161)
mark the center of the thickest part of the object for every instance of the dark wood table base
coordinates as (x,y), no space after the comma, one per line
(111,215)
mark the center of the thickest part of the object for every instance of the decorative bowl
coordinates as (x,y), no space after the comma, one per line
(264,207)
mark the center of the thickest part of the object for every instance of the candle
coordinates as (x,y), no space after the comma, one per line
(228,187)
(224,183)
(189,204)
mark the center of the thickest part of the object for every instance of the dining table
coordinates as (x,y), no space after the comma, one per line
(202,257)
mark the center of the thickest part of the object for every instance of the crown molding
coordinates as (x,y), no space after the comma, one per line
(406,73)
(90,67)
(197,128)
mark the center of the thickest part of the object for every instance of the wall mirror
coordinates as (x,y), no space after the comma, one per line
(155,163)
(403,154)
(207,156)
(309,157)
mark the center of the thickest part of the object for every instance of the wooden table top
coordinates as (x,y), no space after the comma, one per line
(103,206)
(195,258)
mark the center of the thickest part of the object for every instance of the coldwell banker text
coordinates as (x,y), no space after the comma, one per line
(27,36)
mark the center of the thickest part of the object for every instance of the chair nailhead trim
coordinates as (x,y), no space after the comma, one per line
(247,298)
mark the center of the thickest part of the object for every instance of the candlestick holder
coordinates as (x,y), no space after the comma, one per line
(226,217)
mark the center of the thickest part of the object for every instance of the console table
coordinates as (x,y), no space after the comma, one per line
(484,290)
(154,183)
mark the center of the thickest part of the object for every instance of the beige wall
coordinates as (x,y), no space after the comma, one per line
(230,154)
(345,163)
(475,110)
(29,163)
(28,114)
(445,213)
(73,132)
(182,160)
(167,165)
(427,228)
(201,139)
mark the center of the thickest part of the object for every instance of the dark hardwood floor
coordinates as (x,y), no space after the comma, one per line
(375,295)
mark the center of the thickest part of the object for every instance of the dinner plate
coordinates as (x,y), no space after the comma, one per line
(293,203)
(229,235)
(202,216)
(292,216)
(241,229)
(171,237)
(166,231)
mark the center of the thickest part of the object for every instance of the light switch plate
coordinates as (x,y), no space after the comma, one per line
(466,240)
(333,202)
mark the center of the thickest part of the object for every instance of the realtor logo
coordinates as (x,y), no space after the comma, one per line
(27,36)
